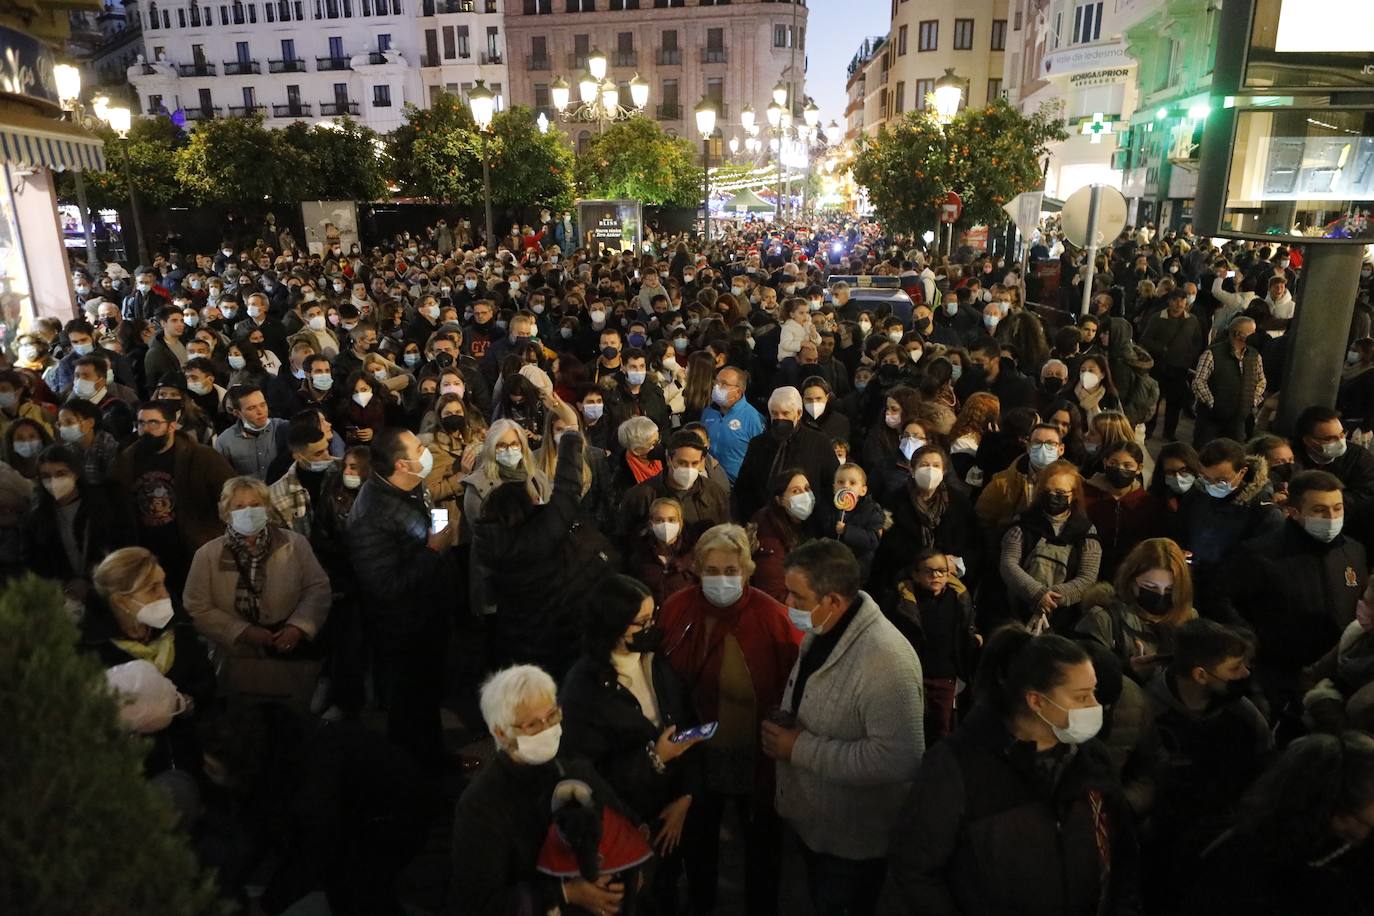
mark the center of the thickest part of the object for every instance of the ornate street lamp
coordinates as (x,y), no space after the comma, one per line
(949,90)
(483,104)
(706,125)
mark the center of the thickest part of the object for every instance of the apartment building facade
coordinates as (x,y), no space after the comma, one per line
(733,51)
(856,86)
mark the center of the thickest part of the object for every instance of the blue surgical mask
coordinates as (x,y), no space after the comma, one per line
(1220,490)
(1323,529)
(956,372)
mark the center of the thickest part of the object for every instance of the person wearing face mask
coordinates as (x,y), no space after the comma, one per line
(1227,506)
(1116,501)
(504,817)
(733,647)
(622,705)
(1175,338)
(1025,769)
(1297,587)
(996,375)
(300,493)
(253,442)
(15,403)
(73,525)
(146,297)
(788,444)
(258,593)
(848,739)
(731,421)
(703,502)
(932,509)
(1051,553)
(1229,384)
(81,342)
(661,556)
(1324,447)
(1213,743)
(130,615)
(1010,490)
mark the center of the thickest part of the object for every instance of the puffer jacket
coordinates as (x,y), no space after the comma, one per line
(1212,528)
(1130,365)
(1121,522)
(982,834)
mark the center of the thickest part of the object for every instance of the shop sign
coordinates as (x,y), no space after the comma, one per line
(26,68)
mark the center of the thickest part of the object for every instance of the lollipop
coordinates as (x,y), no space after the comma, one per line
(846,499)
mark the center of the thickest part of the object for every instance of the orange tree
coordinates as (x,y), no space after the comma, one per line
(988,155)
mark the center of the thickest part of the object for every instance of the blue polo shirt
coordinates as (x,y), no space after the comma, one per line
(730,433)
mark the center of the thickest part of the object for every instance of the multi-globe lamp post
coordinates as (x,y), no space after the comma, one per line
(599,97)
(706,125)
(119,119)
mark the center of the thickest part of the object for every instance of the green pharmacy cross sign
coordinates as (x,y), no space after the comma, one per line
(1097,127)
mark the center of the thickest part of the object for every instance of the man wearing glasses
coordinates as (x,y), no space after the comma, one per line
(173,484)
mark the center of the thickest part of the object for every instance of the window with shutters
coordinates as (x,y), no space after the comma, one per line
(928,35)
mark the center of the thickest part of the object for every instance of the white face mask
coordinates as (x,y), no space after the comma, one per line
(666,532)
(362,398)
(1089,380)
(540,748)
(316,323)
(801,505)
(1083,725)
(509,457)
(815,409)
(722,591)
(928,476)
(685,477)
(893,420)
(249,521)
(61,487)
(156,614)
(352,481)
(909,445)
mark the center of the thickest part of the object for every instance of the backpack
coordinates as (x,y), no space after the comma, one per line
(1140,405)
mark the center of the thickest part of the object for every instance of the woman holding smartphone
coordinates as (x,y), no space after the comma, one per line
(624,709)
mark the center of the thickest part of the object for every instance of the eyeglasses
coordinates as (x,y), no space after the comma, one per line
(940,573)
(538,725)
(149,424)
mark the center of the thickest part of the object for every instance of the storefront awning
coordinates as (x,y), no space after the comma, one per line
(29,141)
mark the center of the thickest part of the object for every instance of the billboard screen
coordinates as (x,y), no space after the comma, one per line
(1301,173)
(1310,44)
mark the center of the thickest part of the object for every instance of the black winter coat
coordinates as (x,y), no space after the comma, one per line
(103,524)
(806,449)
(984,835)
(388,530)
(603,722)
(957,535)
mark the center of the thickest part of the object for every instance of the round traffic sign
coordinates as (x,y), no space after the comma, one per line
(1111,215)
(951,208)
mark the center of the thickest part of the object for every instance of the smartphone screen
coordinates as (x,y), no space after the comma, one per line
(1230,274)
(438,520)
(703,731)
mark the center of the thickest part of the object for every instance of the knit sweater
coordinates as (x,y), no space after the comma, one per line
(861,743)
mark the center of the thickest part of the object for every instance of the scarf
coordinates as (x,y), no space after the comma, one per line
(161,651)
(250,562)
(643,468)
(929,512)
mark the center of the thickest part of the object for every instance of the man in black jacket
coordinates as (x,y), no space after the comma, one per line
(633,395)
(1297,587)
(406,569)
(787,444)
(1324,448)
(996,375)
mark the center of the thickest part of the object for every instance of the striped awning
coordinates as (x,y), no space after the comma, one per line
(32,142)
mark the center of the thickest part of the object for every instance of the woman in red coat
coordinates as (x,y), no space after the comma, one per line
(783,523)
(734,648)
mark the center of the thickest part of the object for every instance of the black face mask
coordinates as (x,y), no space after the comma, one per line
(148,444)
(1153,602)
(923,325)
(609,352)
(781,429)
(1056,503)
(454,422)
(1051,385)
(1118,477)
(888,372)
(1281,473)
(648,639)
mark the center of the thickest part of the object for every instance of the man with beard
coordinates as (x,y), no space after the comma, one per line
(174,486)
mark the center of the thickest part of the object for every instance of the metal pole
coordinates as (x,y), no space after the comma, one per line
(1093,201)
(777,181)
(133,207)
(486,195)
(92,262)
(706,186)
(1330,284)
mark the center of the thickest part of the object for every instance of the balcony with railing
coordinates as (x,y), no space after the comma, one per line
(246,111)
(337,109)
(534,62)
(376,58)
(669,57)
(488,58)
(714,55)
(442,7)
(333,63)
(669,111)
(625,59)
(204,113)
(241,67)
(286,66)
(197,69)
(298,110)
(578,60)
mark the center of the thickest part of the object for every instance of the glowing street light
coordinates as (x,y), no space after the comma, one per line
(949,90)
(746,117)
(639,91)
(596,64)
(560,91)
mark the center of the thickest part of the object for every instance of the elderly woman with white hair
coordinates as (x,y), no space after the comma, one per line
(733,648)
(638,457)
(504,816)
(260,596)
(788,444)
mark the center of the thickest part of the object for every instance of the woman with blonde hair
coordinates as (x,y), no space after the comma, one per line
(259,595)
(595,507)
(1105,431)
(1137,616)
(505,456)
(455,446)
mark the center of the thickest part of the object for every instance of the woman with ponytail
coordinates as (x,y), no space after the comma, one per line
(1018,812)
(1296,846)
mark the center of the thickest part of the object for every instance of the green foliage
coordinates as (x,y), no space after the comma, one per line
(340,162)
(988,155)
(148,156)
(636,160)
(438,154)
(81,831)
(235,161)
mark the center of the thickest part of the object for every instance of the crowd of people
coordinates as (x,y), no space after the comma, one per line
(924,590)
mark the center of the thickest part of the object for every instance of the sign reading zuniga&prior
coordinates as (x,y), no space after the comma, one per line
(1103,77)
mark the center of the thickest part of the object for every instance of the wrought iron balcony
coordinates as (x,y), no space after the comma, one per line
(200,69)
(333,63)
(241,67)
(714,55)
(334,109)
(537,63)
(625,59)
(488,58)
(286,66)
(204,113)
(669,111)
(669,57)
(245,111)
(298,110)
